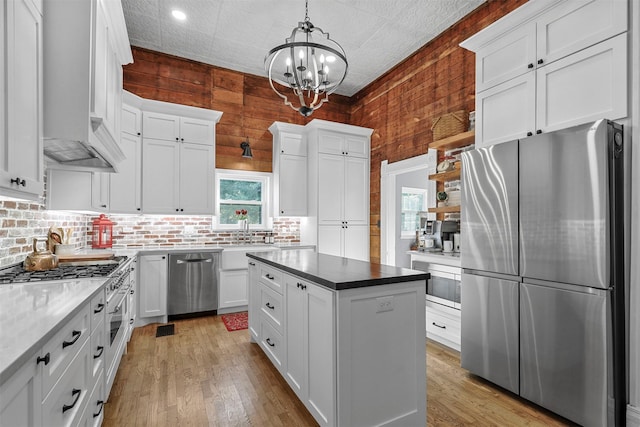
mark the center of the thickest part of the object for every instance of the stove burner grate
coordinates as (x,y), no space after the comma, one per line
(18,274)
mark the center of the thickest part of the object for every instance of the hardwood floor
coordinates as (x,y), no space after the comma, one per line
(205,375)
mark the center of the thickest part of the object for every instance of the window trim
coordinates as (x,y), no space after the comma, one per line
(264,177)
(412,190)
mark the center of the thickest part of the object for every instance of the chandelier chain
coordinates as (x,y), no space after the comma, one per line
(306,11)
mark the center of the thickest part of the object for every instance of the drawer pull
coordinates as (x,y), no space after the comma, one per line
(269,306)
(101,403)
(252,263)
(438,326)
(268,276)
(45,359)
(76,392)
(99,309)
(76,336)
(101,350)
(268,341)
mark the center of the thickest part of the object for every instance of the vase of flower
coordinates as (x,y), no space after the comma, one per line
(242,217)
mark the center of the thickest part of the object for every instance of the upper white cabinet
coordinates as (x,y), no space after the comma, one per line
(21,156)
(85,46)
(338,189)
(289,170)
(125,186)
(173,128)
(550,65)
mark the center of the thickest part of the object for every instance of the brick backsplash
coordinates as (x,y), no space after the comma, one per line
(22,221)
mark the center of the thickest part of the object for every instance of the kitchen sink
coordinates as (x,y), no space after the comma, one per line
(234,257)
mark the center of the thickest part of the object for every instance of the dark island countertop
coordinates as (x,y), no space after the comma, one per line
(334,272)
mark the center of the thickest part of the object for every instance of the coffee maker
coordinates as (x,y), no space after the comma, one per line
(434,232)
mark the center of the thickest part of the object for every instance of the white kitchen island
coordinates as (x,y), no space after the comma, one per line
(347,335)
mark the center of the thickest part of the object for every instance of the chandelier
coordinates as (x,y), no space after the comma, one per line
(309,66)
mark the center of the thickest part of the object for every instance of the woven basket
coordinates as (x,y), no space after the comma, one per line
(450,124)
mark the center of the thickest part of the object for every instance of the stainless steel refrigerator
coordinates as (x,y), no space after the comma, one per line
(543,274)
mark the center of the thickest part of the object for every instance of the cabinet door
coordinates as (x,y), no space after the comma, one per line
(233,288)
(330,239)
(561,31)
(506,112)
(161,126)
(59,196)
(131,120)
(585,86)
(296,334)
(357,146)
(292,145)
(331,143)
(509,56)
(100,71)
(196,178)
(196,131)
(356,187)
(100,191)
(160,175)
(331,177)
(126,184)
(153,285)
(21,155)
(321,347)
(292,181)
(21,396)
(356,242)
(254,299)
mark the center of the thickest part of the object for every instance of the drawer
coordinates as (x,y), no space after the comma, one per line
(272,278)
(63,347)
(65,405)
(272,343)
(94,412)
(271,306)
(98,309)
(98,350)
(443,325)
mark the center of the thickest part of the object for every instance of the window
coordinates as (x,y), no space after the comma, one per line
(238,191)
(413,201)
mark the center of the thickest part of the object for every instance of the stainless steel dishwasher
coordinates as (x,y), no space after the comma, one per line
(193,283)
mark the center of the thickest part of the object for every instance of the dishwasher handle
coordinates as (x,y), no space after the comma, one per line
(198,260)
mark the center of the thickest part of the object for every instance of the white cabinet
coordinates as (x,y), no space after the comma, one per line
(254,300)
(174,128)
(21,396)
(177,177)
(152,289)
(550,65)
(125,187)
(133,297)
(310,346)
(90,113)
(338,189)
(289,170)
(21,155)
(233,288)
(131,116)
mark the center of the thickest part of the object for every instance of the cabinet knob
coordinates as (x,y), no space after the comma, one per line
(138,209)
(138,133)
(540,61)
(163,257)
(19,181)
(529,133)
(530,65)
(177,210)
(539,131)
(103,206)
(181,139)
(181,210)
(177,139)
(45,359)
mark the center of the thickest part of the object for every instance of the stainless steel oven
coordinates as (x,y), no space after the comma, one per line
(443,287)
(117,308)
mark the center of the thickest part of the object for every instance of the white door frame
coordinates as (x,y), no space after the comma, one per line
(388,175)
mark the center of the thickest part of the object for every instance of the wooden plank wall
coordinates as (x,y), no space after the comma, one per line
(401,105)
(248,103)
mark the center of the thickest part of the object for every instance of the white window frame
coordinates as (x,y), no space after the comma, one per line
(241,175)
(411,190)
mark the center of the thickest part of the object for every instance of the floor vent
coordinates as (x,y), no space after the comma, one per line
(165,330)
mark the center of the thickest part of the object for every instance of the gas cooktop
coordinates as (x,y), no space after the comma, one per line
(17,273)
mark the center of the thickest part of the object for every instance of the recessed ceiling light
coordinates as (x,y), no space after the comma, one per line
(179,15)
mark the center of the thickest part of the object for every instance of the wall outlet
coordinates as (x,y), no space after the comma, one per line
(384,304)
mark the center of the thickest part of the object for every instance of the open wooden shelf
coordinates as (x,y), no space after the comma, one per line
(456,141)
(445,209)
(445,176)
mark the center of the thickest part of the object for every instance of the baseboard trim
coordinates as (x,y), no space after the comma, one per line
(633,416)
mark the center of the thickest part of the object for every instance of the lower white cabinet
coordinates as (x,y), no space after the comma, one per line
(443,324)
(254,300)
(21,397)
(152,280)
(233,288)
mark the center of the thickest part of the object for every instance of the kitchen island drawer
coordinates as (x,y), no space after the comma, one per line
(63,347)
(443,324)
(272,343)
(272,278)
(271,306)
(65,404)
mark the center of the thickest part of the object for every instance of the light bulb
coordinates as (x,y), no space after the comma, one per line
(301,54)
(322,58)
(331,59)
(288,62)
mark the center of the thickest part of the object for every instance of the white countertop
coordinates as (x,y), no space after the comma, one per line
(452,259)
(31,313)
